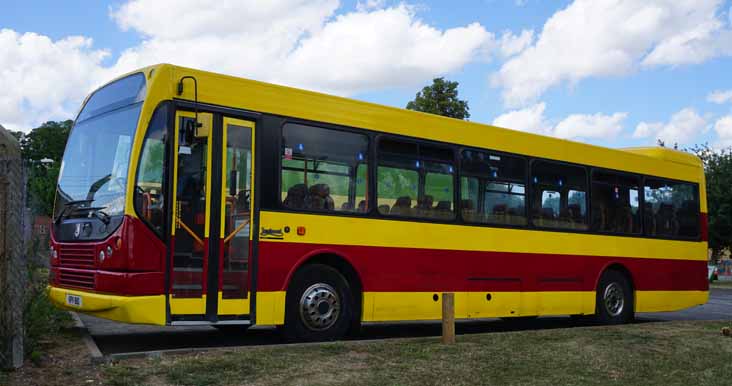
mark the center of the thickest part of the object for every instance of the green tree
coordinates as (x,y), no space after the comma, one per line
(44,143)
(440,98)
(718,171)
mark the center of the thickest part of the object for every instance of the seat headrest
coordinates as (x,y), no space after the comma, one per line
(403,202)
(320,190)
(299,190)
(444,205)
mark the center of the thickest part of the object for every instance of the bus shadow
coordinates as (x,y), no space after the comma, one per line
(482,326)
(173,338)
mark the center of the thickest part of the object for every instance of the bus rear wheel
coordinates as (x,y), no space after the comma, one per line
(614,299)
(318,305)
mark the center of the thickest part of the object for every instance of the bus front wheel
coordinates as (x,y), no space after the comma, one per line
(614,299)
(318,305)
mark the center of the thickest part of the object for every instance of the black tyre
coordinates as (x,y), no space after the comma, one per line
(614,299)
(319,305)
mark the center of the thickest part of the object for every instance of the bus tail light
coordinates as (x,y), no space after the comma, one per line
(301,231)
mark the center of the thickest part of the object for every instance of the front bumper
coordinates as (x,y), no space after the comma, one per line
(127,309)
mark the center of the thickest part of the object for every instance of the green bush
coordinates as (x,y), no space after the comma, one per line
(41,318)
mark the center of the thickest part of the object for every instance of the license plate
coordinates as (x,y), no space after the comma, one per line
(73,300)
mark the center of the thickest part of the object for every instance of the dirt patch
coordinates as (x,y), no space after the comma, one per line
(63,360)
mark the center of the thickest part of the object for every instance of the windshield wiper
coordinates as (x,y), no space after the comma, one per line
(97,211)
(103,216)
(96,186)
(70,204)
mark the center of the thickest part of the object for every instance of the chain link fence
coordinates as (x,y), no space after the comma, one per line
(13,270)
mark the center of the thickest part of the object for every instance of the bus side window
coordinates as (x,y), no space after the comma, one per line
(672,208)
(149,195)
(396,190)
(415,180)
(615,203)
(323,169)
(559,196)
(438,189)
(469,196)
(499,183)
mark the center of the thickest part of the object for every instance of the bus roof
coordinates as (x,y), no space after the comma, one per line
(666,154)
(230,91)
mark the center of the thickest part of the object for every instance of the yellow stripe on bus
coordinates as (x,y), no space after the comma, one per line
(336,230)
(377,306)
(659,301)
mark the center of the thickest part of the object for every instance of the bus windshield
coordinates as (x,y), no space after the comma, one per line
(93,175)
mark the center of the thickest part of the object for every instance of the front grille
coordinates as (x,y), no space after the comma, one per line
(80,279)
(76,256)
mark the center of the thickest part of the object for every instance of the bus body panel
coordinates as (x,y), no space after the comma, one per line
(404,265)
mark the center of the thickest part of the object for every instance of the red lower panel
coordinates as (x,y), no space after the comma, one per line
(411,269)
(124,283)
(117,283)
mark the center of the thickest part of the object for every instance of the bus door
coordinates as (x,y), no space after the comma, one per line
(235,236)
(210,238)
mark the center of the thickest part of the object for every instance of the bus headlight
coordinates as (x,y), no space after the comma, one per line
(101,256)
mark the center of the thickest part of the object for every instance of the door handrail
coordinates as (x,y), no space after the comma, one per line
(232,234)
(190,232)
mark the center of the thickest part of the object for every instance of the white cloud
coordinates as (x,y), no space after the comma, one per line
(723,127)
(295,42)
(529,119)
(645,129)
(720,97)
(598,126)
(511,44)
(300,42)
(575,126)
(362,6)
(379,49)
(43,79)
(592,38)
(681,129)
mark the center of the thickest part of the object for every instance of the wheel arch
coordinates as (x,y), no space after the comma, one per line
(341,263)
(622,269)
(616,266)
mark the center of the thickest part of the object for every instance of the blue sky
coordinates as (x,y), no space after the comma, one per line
(610,72)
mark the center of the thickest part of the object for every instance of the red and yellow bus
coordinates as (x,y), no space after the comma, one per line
(187,197)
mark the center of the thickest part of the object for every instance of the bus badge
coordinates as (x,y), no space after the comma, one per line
(77,230)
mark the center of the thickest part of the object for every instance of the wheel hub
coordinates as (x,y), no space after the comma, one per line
(614,299)
(320,306)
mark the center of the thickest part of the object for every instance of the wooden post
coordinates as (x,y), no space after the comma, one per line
(448,318)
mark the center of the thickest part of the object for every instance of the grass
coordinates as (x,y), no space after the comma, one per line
(49,338)
(42,320)
(667,354)
(676,353)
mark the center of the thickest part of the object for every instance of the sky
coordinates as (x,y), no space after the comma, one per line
(616,73)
